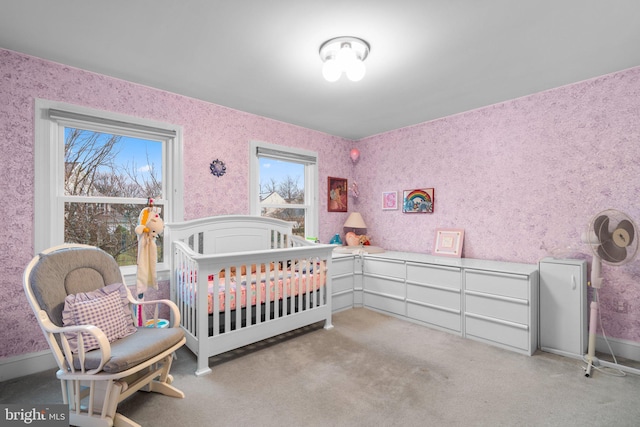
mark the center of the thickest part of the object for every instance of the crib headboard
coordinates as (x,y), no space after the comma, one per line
(231,233)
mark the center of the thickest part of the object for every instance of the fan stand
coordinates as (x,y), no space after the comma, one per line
(596,283)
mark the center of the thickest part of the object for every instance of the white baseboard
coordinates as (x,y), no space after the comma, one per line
(26,364)
(621,348)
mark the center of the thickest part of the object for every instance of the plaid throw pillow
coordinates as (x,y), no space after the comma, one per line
(104,309)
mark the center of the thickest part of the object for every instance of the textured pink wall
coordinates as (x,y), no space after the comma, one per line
(523,178)
(520,177)
(210,132)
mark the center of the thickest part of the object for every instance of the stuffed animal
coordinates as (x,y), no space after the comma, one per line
(150,222)
(150,226)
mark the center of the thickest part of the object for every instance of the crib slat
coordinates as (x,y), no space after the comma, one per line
(239,295)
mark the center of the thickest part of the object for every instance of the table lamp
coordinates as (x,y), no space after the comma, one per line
(356,225)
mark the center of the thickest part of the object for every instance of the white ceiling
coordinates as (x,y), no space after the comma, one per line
(429,58)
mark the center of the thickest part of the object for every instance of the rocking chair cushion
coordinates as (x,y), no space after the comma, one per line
(103,308)
(134,349)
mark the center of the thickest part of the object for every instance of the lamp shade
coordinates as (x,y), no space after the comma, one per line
(355,221)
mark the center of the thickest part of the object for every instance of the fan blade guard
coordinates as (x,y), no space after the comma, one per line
(601,228)
(610,252)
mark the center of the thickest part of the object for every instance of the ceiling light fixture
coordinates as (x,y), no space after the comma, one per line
(344,54)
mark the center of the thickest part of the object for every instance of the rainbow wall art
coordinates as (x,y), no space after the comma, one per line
(418,201)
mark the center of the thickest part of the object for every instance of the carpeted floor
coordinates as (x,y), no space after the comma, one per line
(373,370)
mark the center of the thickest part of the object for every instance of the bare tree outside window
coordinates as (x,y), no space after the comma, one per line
(100,167)
(282,192)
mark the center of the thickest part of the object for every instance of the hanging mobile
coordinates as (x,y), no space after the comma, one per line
(217,168)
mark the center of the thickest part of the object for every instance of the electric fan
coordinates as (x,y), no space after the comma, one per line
(611,235)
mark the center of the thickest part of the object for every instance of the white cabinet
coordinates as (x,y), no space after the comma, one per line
(563,307)
(500,306)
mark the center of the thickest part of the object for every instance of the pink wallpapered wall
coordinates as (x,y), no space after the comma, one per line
(523,177)
(209,132)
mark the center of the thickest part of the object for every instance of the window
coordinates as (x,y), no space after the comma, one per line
(284,184)
(95,172)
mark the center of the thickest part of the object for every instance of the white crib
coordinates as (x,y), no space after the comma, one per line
(271,282)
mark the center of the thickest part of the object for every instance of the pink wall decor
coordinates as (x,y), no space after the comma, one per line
(354,154)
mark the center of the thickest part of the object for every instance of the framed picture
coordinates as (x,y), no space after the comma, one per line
(389,200)
(418,201)
(449,242)
(337,194)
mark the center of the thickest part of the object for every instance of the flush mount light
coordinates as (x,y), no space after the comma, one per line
(344,54)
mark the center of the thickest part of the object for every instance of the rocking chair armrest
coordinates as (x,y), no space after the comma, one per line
(172,306)
(65,353)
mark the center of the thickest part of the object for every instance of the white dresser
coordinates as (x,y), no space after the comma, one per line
(491,301)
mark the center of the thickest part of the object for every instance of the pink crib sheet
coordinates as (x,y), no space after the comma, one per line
(294,282)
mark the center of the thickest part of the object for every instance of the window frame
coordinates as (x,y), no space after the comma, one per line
(51,118)
(311,190)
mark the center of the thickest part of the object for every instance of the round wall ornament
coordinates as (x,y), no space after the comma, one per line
(217,168)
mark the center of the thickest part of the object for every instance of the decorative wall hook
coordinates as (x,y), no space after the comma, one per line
(217,168)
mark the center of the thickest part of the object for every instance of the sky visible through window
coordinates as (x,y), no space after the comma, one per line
(142,154)
(134,152)
(278,170)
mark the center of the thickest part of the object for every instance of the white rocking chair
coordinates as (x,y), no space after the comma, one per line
(95,381)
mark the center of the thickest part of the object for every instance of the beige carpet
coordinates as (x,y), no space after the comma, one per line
(374,370)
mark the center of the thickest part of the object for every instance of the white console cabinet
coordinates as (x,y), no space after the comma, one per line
(490,301)
(563,306)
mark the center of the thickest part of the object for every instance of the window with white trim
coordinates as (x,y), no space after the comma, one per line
(95,171)
(283,183)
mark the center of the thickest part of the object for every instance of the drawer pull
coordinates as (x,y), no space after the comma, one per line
(434,266)
(436,307)
(498,297)
(382,294)
(500,321)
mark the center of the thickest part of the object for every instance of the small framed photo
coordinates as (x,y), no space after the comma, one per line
(337,194)
(419,200)
(389,200)
(449,242)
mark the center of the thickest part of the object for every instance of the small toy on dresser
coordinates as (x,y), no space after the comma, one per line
(356,240)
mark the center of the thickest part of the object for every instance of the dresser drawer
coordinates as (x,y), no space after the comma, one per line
(381,285)
(434,296)
(384,303)
(512,336)
(434,315)
(509,285)
(390,268)
(512,310)
(341,284)
(449,277)
(342,301)
(340,266)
